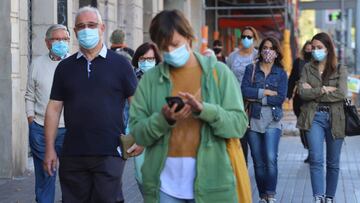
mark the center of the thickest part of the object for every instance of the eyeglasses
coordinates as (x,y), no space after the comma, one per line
(246,36)
(148,59)
(81,26)
(60,39)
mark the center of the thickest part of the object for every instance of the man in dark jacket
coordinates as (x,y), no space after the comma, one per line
(117,40)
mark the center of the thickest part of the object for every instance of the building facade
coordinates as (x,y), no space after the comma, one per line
(24,23)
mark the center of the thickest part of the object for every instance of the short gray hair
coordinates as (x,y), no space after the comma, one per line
(54,27)
(89,9)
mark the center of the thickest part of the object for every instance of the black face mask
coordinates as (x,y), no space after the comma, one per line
(217,50)
(307,56)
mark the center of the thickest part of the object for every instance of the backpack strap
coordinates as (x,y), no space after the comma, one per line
(253,73)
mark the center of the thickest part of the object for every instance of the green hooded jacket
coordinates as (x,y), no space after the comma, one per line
(223,117)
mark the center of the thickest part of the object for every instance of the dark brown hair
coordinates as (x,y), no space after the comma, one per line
(165,23)
(253,30)
(276,47)
(308,42)
(142,49)
(331,60)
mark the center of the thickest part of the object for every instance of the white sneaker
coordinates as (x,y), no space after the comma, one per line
(329,200)
(318,199)
(271,200)
(262,200)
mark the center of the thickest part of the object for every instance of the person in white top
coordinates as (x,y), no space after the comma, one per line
(40,78)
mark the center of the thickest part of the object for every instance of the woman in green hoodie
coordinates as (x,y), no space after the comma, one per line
(186,158)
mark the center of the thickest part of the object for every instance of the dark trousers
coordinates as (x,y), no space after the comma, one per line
(91,179)
(297,102)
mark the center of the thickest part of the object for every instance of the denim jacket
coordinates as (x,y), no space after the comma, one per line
(253,89)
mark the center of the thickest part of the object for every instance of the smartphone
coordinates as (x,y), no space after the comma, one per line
(175,100)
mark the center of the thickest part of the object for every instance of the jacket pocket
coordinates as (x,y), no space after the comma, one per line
(277,113)
(221,194)
(218,188)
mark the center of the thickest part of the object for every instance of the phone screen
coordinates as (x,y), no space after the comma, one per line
(175,100)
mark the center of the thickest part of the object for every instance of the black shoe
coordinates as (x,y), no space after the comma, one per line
(307,160)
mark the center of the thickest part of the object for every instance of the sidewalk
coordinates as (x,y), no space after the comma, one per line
(293,182)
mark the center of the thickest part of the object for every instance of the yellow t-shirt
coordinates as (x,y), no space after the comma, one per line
(185,137)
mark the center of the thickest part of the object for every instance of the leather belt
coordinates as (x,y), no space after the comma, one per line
(323,108)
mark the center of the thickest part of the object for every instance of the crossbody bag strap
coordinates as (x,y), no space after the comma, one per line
(253,72)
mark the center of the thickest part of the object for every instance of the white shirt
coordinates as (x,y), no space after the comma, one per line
(178,177)
(40,79)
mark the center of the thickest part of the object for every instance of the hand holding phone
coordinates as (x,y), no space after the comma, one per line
(196,105)
(175,110)
(175,100)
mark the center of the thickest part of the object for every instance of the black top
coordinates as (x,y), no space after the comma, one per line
(293,79)
(295,75)
(126,49)
(93,102)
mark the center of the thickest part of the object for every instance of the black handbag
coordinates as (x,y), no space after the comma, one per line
(352,120)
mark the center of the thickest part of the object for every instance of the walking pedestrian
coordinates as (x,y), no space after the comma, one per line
(218,48)
(146,57)
(92,85)
(40,78)
(118,44)
(237,62)
(265,86)
(186,158)
(323,88)
(292,93)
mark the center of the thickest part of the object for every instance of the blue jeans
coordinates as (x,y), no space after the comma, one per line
(321,130)
(264,152)
(44,184)
(126,117)
(165,198)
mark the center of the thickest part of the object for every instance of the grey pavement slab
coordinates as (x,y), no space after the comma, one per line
(294,184)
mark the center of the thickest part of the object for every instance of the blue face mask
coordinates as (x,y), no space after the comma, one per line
(60,48)
(178,57)
(247,42)
(88,38)
(146,65)
(319,54)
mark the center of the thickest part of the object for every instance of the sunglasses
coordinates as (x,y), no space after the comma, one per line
(246,36)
